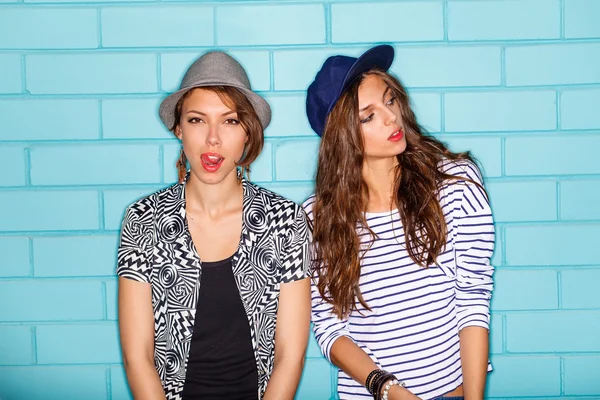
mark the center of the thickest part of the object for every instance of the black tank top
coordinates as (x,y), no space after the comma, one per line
(221,362)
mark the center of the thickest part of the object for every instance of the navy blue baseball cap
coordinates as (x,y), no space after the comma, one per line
(335,76)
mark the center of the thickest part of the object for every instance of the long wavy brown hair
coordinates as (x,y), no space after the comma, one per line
(342,196)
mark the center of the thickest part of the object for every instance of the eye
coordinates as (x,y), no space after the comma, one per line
(232,121)
(368,119)
(391,101)
(194,120)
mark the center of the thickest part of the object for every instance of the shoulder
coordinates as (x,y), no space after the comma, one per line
(308,205)
(148,204)
(276,206)
(461,169)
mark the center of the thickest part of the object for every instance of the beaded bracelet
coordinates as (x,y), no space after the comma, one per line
(379,382)
(388,386)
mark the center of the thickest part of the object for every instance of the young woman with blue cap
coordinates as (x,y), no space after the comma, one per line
(213,297)
(403,235)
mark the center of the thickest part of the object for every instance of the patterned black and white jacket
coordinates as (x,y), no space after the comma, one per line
(156,247)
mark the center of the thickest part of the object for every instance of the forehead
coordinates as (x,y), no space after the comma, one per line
(371,89)
(204,100)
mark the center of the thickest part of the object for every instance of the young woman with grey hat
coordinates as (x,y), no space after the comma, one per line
(213,297)
(403,236)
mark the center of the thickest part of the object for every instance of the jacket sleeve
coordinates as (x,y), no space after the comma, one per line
(294,254)
(132,260)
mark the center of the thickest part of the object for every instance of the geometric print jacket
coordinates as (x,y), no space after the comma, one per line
(156,247)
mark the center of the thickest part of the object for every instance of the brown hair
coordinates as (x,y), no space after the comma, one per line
(341,196)
(235,100)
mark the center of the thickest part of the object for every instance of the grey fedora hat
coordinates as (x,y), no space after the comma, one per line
(215,69)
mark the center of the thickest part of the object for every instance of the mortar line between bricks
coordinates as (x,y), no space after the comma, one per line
(562,376)
(215,30)
(559,288)
(108,382)
(31,264)
(24,74)
(445,19)
(27,161)
(99,27)
(101,209)
(328,24)
(503,66)
(562,19)
(271,70)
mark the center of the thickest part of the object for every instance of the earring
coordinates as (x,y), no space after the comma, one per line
(181,166)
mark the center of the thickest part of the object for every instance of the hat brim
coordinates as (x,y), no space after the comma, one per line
(380,57)
(166,110)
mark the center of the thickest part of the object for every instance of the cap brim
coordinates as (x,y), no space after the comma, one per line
(380,57)
(166,110)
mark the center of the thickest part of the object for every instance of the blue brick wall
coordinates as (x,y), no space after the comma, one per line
(515,81)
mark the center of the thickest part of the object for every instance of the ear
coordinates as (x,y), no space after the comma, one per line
(178,132)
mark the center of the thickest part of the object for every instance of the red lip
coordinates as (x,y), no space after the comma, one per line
(211,162)
(396,136)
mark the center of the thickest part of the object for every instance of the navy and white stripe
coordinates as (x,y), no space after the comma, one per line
(412,330)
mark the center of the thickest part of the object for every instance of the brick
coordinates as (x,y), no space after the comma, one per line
(105,164)
(296,160)
(500,111)
(421,21)
(132,119)
(428,110)
(111,299)
(523,201)
(63,382)
(15,257)
(48,28)
(75,255)
(295,192)
(262,167)
(581,19)
(79,1)
(448,66)
(560,64)
(487,151)
(316,380)
(11,77)
(578,109)
(289,117)
(525,290)
(553,331)
(553,155)
(115,202)
(118,384)
(579,200)
(270,24)
(101,73)
(157,26)
(62,210)
(50,300)
(56,119)
(582,376)
(496,333)
(256,64)
(78,343)
(16,346)
(504,20)
(512,376)
(578,288)
(296,69)
(565,244)
(12,162)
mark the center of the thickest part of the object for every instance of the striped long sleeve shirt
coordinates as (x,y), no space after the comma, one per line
(416,312)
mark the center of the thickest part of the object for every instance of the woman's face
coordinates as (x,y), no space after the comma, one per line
(380,120)
(213,138)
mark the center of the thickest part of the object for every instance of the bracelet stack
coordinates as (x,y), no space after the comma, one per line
(379,379)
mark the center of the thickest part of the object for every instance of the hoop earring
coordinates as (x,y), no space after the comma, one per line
(181,166)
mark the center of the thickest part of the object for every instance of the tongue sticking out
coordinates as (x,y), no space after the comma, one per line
(211,160)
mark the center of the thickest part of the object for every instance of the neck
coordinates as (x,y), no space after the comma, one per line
(213,199)
(380,176)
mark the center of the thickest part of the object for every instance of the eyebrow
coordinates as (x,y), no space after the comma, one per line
(201,113)
(371,105)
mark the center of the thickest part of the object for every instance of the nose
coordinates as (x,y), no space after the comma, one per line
(390,116)
(213,138)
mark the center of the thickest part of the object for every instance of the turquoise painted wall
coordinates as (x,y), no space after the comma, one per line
(517,82)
